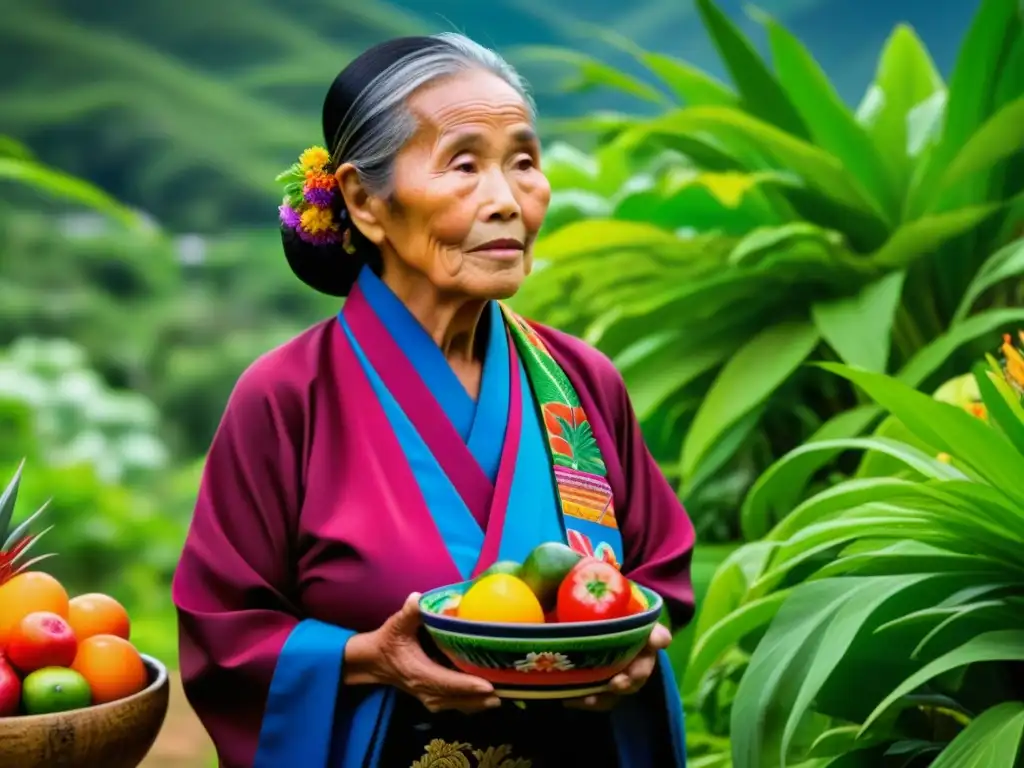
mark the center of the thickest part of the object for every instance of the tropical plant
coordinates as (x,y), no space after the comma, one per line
(15,543)
(881,622)
(713,249)
(149,99)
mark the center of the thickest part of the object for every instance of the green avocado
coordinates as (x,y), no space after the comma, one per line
(509,567)
(545,568)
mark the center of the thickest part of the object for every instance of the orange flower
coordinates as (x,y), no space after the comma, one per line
(555,411)
(1014,365)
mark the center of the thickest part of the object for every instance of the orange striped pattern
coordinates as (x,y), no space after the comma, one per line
(585,496)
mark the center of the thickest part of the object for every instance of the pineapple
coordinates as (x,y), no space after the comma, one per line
(14,546)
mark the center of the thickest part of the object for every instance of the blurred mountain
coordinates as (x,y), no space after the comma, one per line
(188,109)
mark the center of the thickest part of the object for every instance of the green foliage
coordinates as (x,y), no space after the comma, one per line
(197,109)
(880,620)
(711,249)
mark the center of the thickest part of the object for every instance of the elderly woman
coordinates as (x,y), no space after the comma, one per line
(409,443)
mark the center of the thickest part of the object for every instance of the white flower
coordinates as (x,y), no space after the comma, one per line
(544,662)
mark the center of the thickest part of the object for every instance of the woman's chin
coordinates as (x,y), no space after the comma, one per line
(496,281)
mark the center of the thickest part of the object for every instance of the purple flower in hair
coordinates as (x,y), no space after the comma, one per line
(289,216)
(318,196)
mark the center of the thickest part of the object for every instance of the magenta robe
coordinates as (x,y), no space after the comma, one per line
(299,516)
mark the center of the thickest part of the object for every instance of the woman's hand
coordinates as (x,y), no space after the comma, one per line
(392,655)
(631,679)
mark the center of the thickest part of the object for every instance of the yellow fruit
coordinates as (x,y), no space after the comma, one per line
(501,598)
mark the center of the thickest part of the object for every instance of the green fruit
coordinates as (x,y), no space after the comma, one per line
(508,567)
(545,568)
(54,689)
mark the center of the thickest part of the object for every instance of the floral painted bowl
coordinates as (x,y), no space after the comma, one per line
(538,661)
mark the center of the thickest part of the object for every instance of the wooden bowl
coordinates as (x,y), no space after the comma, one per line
(538,661)
(114,735)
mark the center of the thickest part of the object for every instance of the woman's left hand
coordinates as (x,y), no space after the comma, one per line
(632,678)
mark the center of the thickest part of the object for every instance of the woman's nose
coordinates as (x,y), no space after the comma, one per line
(502,204)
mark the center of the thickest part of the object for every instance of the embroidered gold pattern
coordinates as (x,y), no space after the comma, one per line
(443,754)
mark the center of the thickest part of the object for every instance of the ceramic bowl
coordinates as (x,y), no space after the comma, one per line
(114,735)
(538,661)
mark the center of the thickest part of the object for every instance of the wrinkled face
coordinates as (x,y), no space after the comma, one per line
(468,195)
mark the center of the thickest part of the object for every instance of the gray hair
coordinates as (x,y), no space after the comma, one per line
(384,104)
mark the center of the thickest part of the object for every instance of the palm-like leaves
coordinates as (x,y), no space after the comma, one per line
(884,598)
(850,232)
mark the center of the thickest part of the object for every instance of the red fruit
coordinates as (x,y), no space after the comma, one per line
(10,689)
(593,590)
(42,639)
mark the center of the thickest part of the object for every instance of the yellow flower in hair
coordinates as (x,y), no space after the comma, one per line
(314,159)
(317,220)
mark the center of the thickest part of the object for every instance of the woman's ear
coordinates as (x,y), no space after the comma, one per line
(362,206)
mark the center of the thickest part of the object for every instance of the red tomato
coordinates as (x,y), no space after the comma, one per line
(593,590)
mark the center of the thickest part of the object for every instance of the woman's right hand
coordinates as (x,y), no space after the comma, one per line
(392,655)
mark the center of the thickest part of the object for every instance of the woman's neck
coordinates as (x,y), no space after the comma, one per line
(452,322)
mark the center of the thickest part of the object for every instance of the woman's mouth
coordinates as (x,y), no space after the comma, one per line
(503,248)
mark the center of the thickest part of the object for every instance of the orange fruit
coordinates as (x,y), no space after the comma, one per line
(503,598)
(27,593)
(98,614)
(111,666)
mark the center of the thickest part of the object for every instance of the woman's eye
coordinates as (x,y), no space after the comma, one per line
(465,166)
(525,163)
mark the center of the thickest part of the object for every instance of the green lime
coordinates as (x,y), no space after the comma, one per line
(545,568)
(508,567)
(54,689)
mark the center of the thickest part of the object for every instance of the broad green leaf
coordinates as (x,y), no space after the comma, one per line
(839,635)
(1001,136)
(724,449)
(589,72)
(652,378)
(987,452)
(930,358)
(1002,645)
(688,83)
(925,235)
(760,507)
(839,741)
(10,147)
(747,380)
(972,83)
(830,123)
(964,614)
(905,77)
(817,168)
(568,168)
(859,328)
(800,619)
(60,185)
(764,240)
(761,94)
(595,236)
(924,127)
(838,498)
(711,645)
(902,557)
(730,583)
(776,492)
(992,740)
(1005,263)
